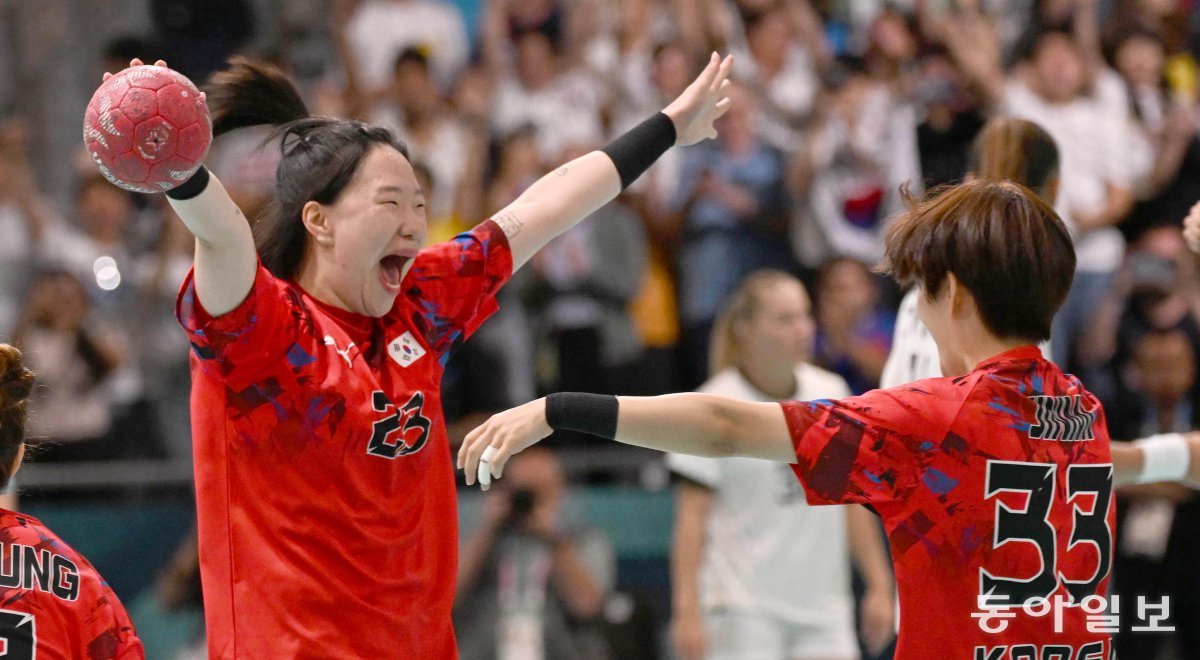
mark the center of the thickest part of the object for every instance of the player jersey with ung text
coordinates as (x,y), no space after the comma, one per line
(996,493)
(324,482)
(53,603)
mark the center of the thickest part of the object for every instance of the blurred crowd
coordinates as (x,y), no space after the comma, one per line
(838,104)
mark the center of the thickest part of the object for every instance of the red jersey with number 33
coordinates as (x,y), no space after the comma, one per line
(324,482)
(53,603)
(997,484)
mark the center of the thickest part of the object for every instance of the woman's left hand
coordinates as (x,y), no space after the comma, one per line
(702,103)
(508,432)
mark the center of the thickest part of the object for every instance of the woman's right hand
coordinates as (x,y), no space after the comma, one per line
(137,62)
(688,636)
(702,103)
(507,432)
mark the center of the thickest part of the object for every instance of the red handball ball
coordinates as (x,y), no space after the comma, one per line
(147,128)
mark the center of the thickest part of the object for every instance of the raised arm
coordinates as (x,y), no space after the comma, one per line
(226,260)
(971,39)
(559,200)
(691,423)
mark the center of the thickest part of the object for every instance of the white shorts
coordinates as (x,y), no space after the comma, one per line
(740,635)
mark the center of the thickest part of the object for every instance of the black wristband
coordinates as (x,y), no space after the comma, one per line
(588,413)
(634,152)
(192,187)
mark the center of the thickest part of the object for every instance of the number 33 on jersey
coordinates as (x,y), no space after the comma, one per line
(994,486)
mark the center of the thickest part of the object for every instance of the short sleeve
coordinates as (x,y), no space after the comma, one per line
(453,285)
(254,336)
(702,470)
(869,449)
(111,633)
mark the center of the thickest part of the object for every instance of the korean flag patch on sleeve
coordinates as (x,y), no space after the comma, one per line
(405,349)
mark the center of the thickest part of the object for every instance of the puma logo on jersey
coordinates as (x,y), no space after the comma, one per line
(405,349)
(1062,418)
(330,341)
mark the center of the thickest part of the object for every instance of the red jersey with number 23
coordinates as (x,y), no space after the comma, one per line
(997,484)
(324,482)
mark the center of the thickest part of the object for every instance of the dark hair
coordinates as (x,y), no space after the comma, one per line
(1002,242)
(1009,149)
(16,384)
(320,154)
(411,56)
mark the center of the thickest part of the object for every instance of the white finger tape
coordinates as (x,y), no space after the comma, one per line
(485,466)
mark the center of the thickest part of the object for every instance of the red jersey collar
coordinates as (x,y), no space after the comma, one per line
(1019,354)
(352,321)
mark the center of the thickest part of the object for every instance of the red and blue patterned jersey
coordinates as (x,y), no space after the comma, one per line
(53,603)
(995,489)
(324,481)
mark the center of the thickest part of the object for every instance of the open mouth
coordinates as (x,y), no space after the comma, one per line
(391,269)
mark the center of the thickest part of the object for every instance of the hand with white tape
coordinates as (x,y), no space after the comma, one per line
(486,449)
(485,467)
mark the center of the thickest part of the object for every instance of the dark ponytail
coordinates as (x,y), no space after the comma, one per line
(320,155)
(251,93)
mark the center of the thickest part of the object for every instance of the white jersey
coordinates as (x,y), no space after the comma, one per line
(767,550)
(914,354)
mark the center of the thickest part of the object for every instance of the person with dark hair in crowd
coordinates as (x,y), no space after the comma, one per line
(733,201)
(74,412)
(939,458)
(55,603)
(1058,87)
(326,504)
(1160,523)
(854,331)
(534,576)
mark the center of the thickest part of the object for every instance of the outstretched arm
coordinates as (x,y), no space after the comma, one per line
(699,424)
(559,200)
(1167,457)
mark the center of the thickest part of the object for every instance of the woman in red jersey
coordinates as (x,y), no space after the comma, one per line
(994,484)
(325,489)
(53,603)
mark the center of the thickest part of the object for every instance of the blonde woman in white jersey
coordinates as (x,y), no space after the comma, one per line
(756,572)
(1005,149)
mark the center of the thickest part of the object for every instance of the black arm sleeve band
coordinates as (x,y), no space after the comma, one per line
(588,413)
(192,187)
(635,151)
